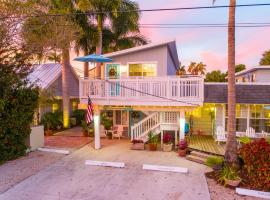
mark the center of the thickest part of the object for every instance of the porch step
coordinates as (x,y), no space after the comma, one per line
(199,154)
(196,159)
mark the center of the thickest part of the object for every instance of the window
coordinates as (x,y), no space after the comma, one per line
(143,69)
(74,105)
(260,118)
(241,117)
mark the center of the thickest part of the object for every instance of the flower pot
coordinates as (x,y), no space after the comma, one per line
(137,146)
(182,152)
(152,147)
(233,183)
(167,147)
(48,132)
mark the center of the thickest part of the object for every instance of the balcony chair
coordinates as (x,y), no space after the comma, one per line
(118,133)
(250,132)
(221,135)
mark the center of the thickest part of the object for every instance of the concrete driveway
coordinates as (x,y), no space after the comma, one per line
(70,178)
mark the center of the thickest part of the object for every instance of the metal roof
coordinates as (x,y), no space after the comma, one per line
(45,74)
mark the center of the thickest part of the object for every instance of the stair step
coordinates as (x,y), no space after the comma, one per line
(196,159)
(199,154)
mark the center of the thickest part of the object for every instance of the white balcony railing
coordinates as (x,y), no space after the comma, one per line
(170,90)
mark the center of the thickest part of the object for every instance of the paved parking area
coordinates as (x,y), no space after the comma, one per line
(70,178)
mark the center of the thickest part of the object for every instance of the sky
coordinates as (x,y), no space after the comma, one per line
(209,45)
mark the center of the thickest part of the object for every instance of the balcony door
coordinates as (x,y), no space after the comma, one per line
(113,72)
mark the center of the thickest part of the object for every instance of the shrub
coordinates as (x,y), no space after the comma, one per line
(256,158)
(52,120)
(79,115)
(183,144)
(214,161)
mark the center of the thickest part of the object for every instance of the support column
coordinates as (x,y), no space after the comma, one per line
(224,116)
(161,138)
(97,128)
(182,122)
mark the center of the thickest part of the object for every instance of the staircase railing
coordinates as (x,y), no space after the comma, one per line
(149,123)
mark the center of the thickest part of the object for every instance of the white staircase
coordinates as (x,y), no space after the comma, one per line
(153,122)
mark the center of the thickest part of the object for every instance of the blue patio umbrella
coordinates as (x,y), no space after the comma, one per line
(93,58)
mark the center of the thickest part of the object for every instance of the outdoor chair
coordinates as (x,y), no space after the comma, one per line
(250,132)
(265,134)
(220,135)
(103,132)
(118,133)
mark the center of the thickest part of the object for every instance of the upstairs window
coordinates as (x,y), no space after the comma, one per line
(143,69)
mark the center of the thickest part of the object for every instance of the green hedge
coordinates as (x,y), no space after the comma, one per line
(16,114)
(79,115)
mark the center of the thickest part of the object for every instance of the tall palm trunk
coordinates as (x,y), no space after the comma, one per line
(231,145)
(86,68)
(66,70)
(99,45)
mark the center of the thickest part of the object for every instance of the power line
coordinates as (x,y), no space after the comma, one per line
(141,10)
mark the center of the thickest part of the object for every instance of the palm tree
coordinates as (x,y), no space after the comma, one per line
(53,32)
(181,71)
(108,10)
(231,145)
(197,68)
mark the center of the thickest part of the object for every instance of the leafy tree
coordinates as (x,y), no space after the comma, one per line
(265,60)
(239,67)
(18,98)
(197,68)
(53,29)
(181,71)
(215,76)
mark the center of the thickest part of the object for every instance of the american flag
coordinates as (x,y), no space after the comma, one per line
(90,111)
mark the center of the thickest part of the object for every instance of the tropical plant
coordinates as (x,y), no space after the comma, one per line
(85,128)
(244,140)
(182,144)
(265,60)
(53,32)
(228,173)
(213,161)
(52,120)
(167,138)
(197,68)
(256,158)
(79,115)
(106,121)
(181,71)
(107,10)
(152,138)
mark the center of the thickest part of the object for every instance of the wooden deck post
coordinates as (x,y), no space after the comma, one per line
(97,128)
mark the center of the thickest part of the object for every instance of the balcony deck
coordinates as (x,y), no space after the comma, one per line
(148,91)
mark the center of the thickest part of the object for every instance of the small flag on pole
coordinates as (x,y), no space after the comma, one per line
(90,111)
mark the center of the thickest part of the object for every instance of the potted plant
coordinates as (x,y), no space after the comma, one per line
(152,141)
(182,148)
(85,128)
(229,176)
(167,142)
(137,145)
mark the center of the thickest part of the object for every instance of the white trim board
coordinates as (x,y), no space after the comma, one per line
(253,193)
(165,168)
(105,163)
(66,152)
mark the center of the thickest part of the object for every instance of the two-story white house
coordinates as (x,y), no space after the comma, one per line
(141,92)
